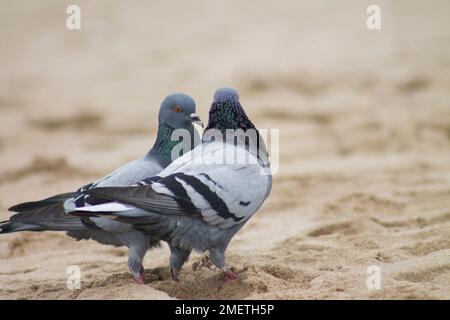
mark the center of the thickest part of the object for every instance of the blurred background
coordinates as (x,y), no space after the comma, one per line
(364,119)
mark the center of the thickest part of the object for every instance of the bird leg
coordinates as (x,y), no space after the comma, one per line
(174,273)
(218,259)
(177,259)
(137,247)
(140,278)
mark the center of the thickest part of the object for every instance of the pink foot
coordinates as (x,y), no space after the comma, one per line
(230,276)
(141,277)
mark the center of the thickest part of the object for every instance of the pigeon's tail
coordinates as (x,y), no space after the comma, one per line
(33,205)
(10,226)
(51,217)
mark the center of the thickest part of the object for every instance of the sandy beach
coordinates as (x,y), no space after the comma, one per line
(364,158)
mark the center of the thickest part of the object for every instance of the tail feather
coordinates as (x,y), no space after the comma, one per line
(34,205)
(9,227)
(52,217)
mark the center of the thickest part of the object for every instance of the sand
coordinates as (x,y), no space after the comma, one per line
(364,119)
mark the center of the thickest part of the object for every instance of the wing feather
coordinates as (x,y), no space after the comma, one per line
(222,195)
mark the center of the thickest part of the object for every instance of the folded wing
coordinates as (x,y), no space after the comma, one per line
(220,195)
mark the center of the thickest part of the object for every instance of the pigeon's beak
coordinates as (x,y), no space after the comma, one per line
(196,120)
(197,123)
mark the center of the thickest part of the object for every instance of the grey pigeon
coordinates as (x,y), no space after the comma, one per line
(197,202)
(177,111)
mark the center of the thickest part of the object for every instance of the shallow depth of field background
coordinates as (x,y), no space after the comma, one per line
(364,119)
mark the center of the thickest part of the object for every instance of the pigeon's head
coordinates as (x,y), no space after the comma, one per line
(178,111)
(226,94)
(226,111)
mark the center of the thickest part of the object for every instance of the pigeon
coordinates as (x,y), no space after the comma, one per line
(199,202)
(177,111)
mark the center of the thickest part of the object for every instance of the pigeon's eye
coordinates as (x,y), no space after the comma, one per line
(177,109)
